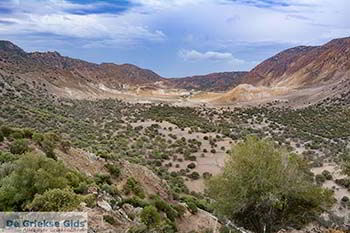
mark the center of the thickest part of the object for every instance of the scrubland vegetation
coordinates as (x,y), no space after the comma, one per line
(265,188)
(267,183)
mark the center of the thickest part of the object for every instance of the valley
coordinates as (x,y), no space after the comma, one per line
(133,139)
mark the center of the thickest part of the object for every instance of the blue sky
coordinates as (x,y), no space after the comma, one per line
(173,37)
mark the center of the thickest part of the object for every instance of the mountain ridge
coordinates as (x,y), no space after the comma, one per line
(216,82)
(298,68)
(115,75)
(304,66)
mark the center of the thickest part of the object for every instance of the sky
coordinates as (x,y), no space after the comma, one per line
(174,38)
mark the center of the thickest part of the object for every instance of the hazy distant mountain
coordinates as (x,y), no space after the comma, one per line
(211,82)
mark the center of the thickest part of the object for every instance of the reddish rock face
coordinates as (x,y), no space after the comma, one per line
(13,58)
(299,67)
(304,66)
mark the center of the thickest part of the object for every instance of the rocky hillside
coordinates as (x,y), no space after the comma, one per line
(68,77)
(115,194)
(211,82)
(68,72)
(298,77)
(316,70)
(304,66)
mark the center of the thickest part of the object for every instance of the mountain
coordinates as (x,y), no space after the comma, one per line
(52,73)
(308,73)
(10,48)
(298,76)
(60,73)
(304,66)
(211,82)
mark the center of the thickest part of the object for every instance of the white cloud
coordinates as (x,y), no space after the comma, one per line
(296,22)
(161,4)
(54,17)
(160,28)
(194,55)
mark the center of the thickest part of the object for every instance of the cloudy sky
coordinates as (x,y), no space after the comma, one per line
(173,37)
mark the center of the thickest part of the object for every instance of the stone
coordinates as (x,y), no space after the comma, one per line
(104,205)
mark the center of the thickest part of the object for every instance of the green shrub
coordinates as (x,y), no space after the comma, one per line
(107,156)
(33,174)
(6,130)
(135,202)
(191,165)
(343,182)
(6,157)
(2,138)
(192,207)
(101,178)
(109,219)
(89,199)
(48,147)
(194,175)
(180,209)
(19,146)
(267,185)
(162,205)
(207,175)
(133,186)
(38,138)
(65,146)
(320,179)
(345,199)
(17,134)
(111,189)
(28,133)
(113,169)
(327,175)
(82,188)
(55,200)
(150,216)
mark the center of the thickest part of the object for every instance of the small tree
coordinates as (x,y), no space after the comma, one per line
(150,216)
(55,200)
(19,146)
(264,188)
(33,174)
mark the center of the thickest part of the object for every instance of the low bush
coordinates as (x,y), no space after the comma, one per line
(327,175)
(135,202)
(191,165)
(111,189)
(55,200)
(163,206)
(113,169)
(150,216)
(109,219)
(320,179)
(101,178)
(5,130)
(19,146)
(133,186)
(194,175)
(192,207)
(32,175)
(6,157)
